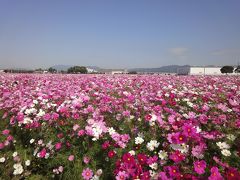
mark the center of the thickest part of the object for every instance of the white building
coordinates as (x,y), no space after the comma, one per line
(198,70)
(205,71)
(90,70)
(118,72)
(114,71)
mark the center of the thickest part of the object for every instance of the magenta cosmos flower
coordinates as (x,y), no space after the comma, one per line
(87,174)
(199,166)
(215,174)
(177,156)
(142,159)
(58,146)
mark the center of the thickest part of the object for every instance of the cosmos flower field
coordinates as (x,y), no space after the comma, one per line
(119,127)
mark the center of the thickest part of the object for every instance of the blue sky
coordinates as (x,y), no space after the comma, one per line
(119,33)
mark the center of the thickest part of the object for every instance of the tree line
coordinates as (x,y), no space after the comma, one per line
(229,69)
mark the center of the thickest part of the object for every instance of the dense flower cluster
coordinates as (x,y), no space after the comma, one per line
(119,127)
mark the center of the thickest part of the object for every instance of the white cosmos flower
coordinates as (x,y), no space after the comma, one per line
(97,131)
(198,129)
(32,141)
(40,113)
(162,154)
(151,123)
(27,120)
(231,137)
(35,101)
(111,130)
(18,169)
(185,115)
(190,104)
(95,177)
(223,145)
(2,160)
(183,148)
(30,111)
(152,173)
(139,140)
(132,152)
(154,117)
(152,145)
(153,166)
(226,152)
(27,162)
(14,154)
(47,155)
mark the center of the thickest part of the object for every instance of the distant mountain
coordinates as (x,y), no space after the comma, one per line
(163,69)
(66,67)
(61,67)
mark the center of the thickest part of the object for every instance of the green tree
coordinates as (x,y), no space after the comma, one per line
(52,70)
(132,72)
(77,70)
(227,69)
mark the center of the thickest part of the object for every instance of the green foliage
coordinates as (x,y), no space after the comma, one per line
(226,69)
(77,70)
(52,70)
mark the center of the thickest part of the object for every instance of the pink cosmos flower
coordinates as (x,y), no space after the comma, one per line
(163,176)
(47,117)
(198,150)
(75,127)
(4,115)
(87,174)
(20,117)
(55,116)
(218,161)
(215,174)
(178,138)
(6,143)
(58,146)
(76,116)
(60,135)
(16,159)
(86,159)
(5,132)
(42,153)
(10,138)
(121,175)
(81,132)
(152,160)
(71,157)
(199,166)
(189,130)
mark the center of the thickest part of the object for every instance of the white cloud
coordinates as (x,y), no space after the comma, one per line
(223,52)
(180,52)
